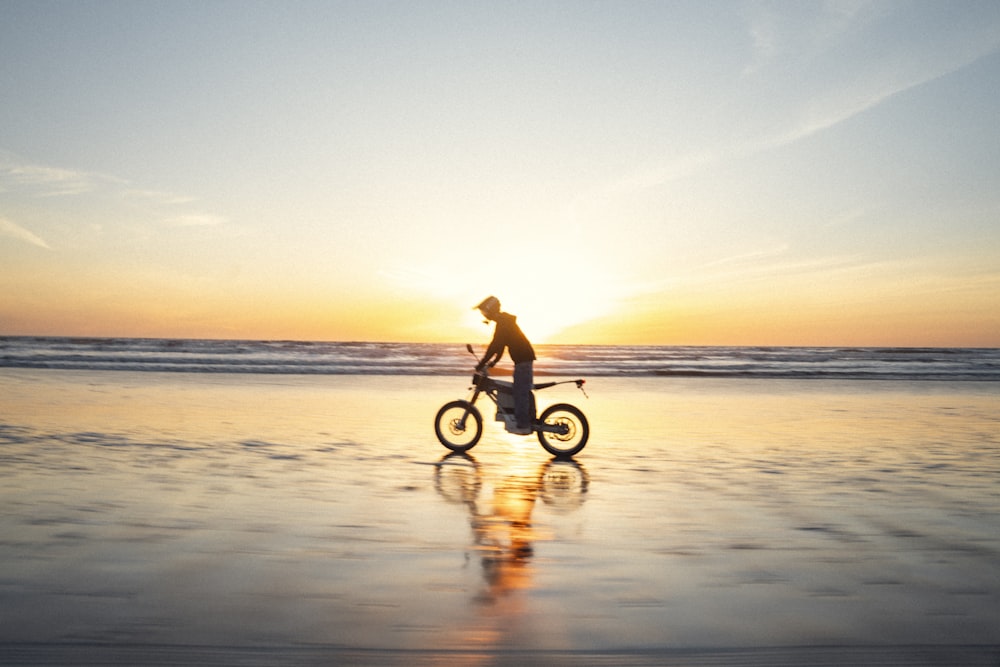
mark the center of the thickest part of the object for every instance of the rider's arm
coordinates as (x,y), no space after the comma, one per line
(493,352)
(490,358)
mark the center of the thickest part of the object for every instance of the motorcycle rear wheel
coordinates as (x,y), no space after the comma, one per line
(574,430)
(458,425)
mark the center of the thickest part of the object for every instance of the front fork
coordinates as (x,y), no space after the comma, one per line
(472,407)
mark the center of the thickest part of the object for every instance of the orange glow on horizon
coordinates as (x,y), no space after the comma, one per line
(884,315)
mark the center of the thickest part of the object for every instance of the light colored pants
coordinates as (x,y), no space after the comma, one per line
(524,379)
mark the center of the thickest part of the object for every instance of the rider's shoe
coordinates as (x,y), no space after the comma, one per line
(521,430)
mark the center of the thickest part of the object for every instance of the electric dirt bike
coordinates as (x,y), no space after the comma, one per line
(562,428)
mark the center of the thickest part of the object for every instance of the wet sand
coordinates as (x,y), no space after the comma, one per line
(227,519)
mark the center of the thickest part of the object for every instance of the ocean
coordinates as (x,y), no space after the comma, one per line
(370,358)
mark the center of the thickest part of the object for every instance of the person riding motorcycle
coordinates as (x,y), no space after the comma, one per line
(508,336)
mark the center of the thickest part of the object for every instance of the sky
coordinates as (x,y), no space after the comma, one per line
(616,172)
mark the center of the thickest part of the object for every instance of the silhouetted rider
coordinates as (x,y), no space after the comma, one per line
(508,336)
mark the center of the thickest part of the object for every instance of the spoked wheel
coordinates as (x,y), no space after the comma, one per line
(458,426)
(566,430)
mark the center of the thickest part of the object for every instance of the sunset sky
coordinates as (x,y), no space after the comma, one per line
(762,173)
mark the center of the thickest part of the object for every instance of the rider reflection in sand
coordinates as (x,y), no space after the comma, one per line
(503,530)
(510,337)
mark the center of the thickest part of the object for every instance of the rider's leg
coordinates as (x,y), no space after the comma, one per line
(524,378)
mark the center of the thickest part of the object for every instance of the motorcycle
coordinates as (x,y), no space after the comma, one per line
(562,429)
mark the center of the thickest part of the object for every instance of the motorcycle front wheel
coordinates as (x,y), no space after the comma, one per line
(572,434)
(458,426)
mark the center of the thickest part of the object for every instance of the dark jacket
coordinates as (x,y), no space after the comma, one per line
(510,337)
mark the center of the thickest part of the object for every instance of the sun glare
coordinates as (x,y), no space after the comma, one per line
(547,302)
(548,292)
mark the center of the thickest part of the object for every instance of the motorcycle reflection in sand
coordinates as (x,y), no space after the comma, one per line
(503,535)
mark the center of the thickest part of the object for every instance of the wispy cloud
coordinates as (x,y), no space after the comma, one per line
(15,231)
(821,34)
(24,179)
(678,167)
(788,268)
(778,33)
(157,196)
(765,265)
(753,256)
(196,220)
(862,83)
(47,181)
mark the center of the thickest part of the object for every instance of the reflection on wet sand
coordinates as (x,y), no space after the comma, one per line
(500,505)
(825,520)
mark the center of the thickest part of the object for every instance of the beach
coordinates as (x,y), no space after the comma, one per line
(288,519)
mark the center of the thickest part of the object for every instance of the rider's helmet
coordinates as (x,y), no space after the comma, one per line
(490,304)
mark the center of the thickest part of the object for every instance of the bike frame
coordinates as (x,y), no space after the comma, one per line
(482,383)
